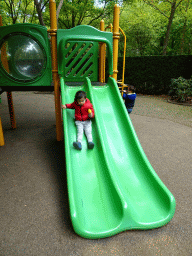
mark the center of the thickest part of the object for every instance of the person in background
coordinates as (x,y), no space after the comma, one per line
(129,97)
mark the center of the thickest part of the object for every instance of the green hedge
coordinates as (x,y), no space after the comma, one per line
(153,74)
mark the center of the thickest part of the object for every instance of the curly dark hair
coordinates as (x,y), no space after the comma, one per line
(132,88)
(80,95)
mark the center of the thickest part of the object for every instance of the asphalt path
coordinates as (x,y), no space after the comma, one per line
(34,215)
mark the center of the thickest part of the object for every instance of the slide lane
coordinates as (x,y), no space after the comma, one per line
(112,187)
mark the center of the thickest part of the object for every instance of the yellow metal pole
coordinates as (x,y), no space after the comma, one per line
(111,30)
(102,56)
(53,34)
(115,39)
(124,52)
(123,73)
(9,94)
(2,142)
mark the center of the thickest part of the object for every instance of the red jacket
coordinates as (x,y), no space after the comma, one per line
(81,112)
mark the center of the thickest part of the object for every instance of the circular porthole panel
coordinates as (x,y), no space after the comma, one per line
(22,57)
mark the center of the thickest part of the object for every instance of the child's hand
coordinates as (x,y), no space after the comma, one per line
(63,106)
(124,91)
(90,113)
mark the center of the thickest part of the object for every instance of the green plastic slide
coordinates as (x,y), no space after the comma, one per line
(113,187)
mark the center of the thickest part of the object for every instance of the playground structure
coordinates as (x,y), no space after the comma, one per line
(40,85)
(113,187)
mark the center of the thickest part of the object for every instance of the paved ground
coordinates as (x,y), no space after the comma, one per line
(34,210)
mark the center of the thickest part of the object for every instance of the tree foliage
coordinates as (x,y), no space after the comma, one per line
(143,29)
(76,12)
(148,28)
(169,14)
(17,11)
(152,27)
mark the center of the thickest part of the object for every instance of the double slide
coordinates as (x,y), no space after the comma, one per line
(113,187)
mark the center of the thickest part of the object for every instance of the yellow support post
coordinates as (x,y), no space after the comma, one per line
(9,94)
(53,34)
(111,30)
(102,57)
(116,37)
(124,52)
(2,142)
(123,73)
(11,110)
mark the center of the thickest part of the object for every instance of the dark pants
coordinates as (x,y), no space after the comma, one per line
(129,110)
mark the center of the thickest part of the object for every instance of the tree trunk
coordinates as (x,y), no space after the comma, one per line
(59,9)
(173,8)
(73,16)
(39,12)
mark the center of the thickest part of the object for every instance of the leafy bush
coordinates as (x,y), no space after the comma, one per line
(180,89)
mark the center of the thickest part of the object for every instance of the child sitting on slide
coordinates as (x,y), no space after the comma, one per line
(83,113)
(129,97)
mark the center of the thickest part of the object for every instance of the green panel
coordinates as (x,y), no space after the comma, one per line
(113,187)
(81,60)
(25,58)
(79,36)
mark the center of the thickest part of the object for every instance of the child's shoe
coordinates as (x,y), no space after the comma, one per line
(77,145)
(90,145)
